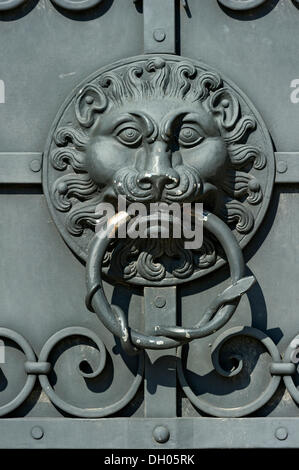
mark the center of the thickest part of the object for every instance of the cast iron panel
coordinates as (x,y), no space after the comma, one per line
(97,339)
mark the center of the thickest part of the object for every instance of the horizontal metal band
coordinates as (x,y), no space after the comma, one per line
(287,167)
(20,167)
(137,433)
(25,167)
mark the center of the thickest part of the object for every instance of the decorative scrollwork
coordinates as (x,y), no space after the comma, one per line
(237,365)
(141,258)
(229,365)
(75,410)
(42,367)
(31,377)
(291,357)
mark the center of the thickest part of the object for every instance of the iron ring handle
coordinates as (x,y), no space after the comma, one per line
(218,313)
(112,317)
(224,304)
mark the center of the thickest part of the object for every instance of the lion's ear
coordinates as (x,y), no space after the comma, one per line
(89,101)
(225,105)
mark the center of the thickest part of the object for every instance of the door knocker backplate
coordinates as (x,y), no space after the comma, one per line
(159,128)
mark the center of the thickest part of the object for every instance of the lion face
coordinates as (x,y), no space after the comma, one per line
(154,151)
(158,129)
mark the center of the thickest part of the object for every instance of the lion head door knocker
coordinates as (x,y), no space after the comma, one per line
(159,129)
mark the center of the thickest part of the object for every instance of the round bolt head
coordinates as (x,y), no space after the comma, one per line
(282,166)
(159,35)
(281,433)
(161,434)
(35,165)
(160,302)
(37,432)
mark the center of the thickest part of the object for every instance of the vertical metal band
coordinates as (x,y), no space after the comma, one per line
(160,366)
(159,26)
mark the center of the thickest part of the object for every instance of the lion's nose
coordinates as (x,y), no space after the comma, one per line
(157,172)
(156,181)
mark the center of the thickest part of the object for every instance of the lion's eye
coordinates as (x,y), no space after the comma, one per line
(129,136)
(189,136)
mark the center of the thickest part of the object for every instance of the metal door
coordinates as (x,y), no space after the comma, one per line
(145,343)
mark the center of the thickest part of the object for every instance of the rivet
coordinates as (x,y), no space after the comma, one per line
(160,302)
(159,35)
(35,165)
(282,166)
(161,434)
(281,434)
(37,432)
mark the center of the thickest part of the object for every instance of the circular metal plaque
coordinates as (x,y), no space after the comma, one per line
(102,144)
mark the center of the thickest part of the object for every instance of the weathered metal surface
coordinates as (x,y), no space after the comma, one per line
(20,168)
(287,170)
(160,367)
(158,333)
(121,433)
(25,168)
(159,26)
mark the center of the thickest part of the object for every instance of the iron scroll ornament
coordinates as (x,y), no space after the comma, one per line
(215,317)
(230,365)
(237,366)
(41,369)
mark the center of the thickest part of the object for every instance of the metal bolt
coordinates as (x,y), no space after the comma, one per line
(161,434)
(159,35)
(35,165)
(37,432)
(282,166)
(160,302)
(281,434)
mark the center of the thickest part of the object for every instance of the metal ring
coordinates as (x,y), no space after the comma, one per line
(210,322)
(224,304)
(239,5)
(79,5)
(31,378)
(7,5)
(288,380)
